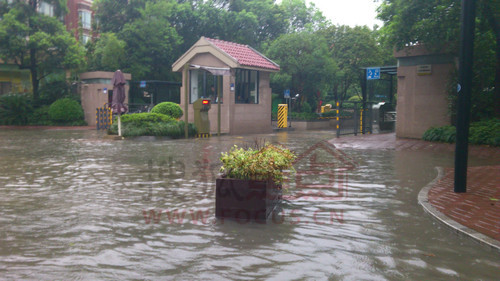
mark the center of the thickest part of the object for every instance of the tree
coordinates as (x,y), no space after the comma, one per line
(38,42)
(107,53)
(301,17)
(351,48)
(437,25)
(152,44)
(113,15)
(306,65)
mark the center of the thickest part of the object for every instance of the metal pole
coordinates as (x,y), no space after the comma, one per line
(464,94)
(218,103)
(364,87)
(186,100)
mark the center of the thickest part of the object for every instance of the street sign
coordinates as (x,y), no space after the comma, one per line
(373,73)
(143,84)
(287,93)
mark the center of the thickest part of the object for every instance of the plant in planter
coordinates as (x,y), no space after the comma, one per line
(251,185)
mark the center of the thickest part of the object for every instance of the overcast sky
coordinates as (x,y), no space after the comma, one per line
(349,12)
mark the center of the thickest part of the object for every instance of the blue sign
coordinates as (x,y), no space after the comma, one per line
(373,73)
(143,84)
(287,93)
(105,90)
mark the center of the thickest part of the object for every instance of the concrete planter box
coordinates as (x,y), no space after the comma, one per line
(246,200)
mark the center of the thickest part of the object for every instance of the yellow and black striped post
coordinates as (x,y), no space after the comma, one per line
(203,136)
(361,121)
(338,119)
(103,118)
(282,115)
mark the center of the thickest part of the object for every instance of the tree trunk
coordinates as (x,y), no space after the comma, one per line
(34,76)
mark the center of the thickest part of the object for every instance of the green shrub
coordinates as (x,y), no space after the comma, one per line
(54,90)
(484,132)
(173,129)
(40,116)
(441,134)
(331,113)
(168,108)
(306,108)
(303,116)
(66,111)
(139,119)
(14,109)
(263,163)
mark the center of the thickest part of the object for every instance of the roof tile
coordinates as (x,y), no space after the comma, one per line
(244,55)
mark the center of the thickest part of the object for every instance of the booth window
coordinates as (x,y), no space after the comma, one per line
(203,85)
(247,86)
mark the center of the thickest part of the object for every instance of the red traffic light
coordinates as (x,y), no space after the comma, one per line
(205,102)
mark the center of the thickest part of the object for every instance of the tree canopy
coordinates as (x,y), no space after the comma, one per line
(37,42)
(436,24)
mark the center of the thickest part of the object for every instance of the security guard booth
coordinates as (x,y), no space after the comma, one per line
(201,120)
(236,79)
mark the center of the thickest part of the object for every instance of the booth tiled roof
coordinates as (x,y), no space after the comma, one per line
(244,54)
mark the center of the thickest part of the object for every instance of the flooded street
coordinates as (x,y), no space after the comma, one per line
(75,205)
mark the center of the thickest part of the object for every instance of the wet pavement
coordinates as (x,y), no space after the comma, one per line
(75,205)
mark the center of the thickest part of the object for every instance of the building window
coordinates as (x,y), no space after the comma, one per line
(85,18)
(203,85)
(5,88)
(247,86)
(46,9)
(84,38)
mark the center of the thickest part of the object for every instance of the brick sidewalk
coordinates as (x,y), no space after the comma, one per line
(475,213)
(479,207)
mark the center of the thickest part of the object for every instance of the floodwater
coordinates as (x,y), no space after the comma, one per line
(75,205)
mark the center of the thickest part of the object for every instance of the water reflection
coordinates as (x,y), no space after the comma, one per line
(75,205)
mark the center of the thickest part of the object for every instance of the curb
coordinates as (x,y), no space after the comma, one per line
(423,200)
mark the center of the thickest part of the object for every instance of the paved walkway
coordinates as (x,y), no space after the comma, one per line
(475,213)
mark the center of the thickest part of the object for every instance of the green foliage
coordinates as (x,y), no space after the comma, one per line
(107,54)
(173,129)
(266,163)
(306,66)
(484,132)
(168,108)
(435,24)
(40,117)
(53,90)
(303,116)
(306,108)
(352,48)
(441,134)
(152,43)
(38,42)
(139,119)
(14,109)
(66,111)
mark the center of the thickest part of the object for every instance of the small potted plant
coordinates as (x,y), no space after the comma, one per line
(251,184)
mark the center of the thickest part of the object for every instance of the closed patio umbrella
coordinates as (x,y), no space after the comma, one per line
(117,105)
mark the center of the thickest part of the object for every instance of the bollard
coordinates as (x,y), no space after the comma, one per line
(282,115)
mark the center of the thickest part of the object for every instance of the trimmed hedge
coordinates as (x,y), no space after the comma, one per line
(168,108)
(483,132)
(151,124)
(145,117)
(173,129)
(66,111)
